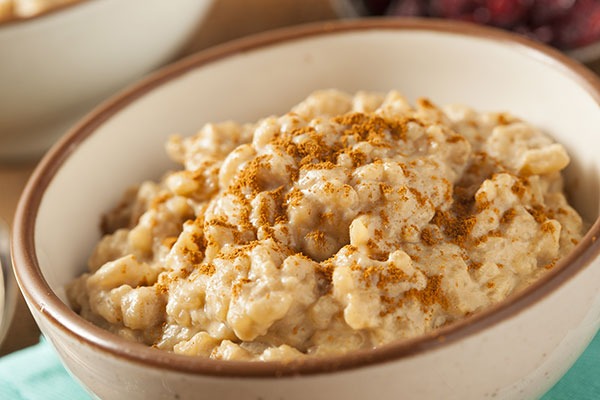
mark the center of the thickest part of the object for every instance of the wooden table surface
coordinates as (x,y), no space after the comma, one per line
(227,20)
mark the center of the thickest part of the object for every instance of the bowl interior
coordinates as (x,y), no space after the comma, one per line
(126,145)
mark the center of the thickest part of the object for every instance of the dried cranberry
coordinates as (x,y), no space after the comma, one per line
(544,33)
(455,9)
(562,23)
(408,8)
(581,26)
(377,7)
(547,11)
(507,13)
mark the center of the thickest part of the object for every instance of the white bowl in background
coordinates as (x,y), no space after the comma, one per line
(8,286)
(57,66)
(516,349)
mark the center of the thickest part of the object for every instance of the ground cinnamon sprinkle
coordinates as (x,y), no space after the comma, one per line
(474,265)
(421,199)
(505,119)
(195,253)
(236,288)
(271,210)
(550,265)
(384,218)
(428,237)
(538,212)
(508,216)
(160,199)
(519,188)
(169,241)
(239,251)
(454,139)
(276,215)
(457,228)
(391,304)
(432,294)
(425,103)
(250,177)
(562,211)
(325,272)
(385,188)
(329,188)
(548,227)
(358,157)
(312,149)
(372,128)
(221,221)
(319,165)
(162,286)
(318,237)
(206,269)
(293,197)
(392,275)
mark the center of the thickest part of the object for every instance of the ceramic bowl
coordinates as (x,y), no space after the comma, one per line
(8,286)
(516,349)
(57,66)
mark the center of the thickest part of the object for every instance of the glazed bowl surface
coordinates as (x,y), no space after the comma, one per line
(8,286)
(516,349)
(56,66)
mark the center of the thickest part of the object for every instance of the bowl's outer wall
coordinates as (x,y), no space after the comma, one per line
(55,68)
(518,358)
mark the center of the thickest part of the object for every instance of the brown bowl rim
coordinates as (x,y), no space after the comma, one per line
(41,297)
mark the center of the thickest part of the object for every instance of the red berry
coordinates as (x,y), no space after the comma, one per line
(408,8)
(507,13)
(543,34)
(481,15)
(377,7)
(581,26)
(453,9)
(547,11)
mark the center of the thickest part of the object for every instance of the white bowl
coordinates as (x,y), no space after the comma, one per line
(516,349)
(8,286)
(55,67)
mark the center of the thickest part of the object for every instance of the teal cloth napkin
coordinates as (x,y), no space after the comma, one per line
(36,373)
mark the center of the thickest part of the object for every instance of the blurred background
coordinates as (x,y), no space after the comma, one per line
(570,25)
(60,58)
